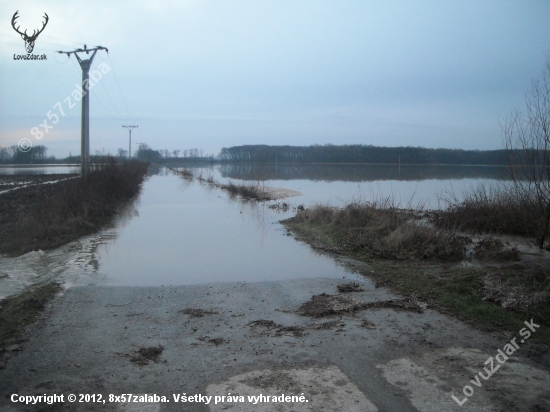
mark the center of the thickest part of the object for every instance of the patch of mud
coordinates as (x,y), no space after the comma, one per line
(331,324)
(263,322)
(197,313)
(350,287)
(324,389)
(326,305)
(145,354)
(432,378)
(294,330)
(365,323)
(280,329)
(213,341)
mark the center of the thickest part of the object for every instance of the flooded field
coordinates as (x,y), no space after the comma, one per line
(38,170)
(181,232)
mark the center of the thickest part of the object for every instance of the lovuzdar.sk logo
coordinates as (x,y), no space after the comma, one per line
(29,40)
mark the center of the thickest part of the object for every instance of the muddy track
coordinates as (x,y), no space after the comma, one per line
(241,338)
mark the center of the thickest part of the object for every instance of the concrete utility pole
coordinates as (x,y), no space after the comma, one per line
(141,148)
(130,140)
(85,122)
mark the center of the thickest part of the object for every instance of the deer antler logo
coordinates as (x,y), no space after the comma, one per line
(29,40)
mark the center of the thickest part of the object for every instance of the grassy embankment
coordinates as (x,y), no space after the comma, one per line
(47,216)
(418,254)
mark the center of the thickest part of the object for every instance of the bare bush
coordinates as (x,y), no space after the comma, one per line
(527,140)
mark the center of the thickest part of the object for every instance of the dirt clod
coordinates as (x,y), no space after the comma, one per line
(326,305)
(295,330)
(332,324)
(145,354)
(367,324)
(213,341)
(281,329)
(197,313)
(264,322)
(350,287)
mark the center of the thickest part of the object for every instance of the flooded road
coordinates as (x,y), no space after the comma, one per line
(188,234)
(180,232)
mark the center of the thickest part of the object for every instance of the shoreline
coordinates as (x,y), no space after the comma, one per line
(467,289)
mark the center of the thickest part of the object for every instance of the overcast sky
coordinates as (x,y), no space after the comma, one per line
(211,74)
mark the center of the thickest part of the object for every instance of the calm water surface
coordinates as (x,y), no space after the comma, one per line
(185,233)
(180,232)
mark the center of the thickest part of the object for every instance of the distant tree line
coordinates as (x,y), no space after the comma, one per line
(361,154)
(35,155)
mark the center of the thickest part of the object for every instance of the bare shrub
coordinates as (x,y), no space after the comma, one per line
(527,140)
(486,209)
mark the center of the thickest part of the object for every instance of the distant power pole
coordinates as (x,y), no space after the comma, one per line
(130,140)
(141,148)
(85,123)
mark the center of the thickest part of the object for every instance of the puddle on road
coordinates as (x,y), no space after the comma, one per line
(188,234)
(176,233)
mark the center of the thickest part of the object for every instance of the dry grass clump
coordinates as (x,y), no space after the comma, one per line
(186,174)
(247,191)
(494,249)
(379,229)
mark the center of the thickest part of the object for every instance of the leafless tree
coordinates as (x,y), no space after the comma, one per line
(122,153)
(527,140)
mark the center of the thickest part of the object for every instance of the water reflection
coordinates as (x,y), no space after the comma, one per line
(186,234)
(181,231)
(360,173)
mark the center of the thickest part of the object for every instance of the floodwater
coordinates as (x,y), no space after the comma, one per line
(38,170)
(180,232)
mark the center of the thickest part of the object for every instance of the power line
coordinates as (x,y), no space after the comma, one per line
(111,100)
(118,84)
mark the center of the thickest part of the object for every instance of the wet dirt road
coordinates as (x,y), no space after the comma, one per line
(376,360)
